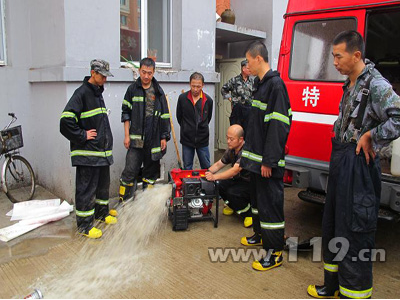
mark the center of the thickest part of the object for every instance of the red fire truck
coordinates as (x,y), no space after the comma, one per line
(314,85)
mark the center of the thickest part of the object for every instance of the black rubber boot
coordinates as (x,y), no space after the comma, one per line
(254,240)
(330,289)
(267,263)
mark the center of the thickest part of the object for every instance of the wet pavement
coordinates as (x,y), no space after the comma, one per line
(180,262)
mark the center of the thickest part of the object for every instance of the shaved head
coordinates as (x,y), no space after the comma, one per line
(236,130)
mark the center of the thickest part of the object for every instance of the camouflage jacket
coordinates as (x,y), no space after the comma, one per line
(239,90)
(382,114)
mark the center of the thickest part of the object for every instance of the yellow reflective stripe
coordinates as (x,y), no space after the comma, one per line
(165,116)
(156,150)
(331,268)
(254,211)
(290,112)
(148,180)
(102,202)
(126,184)
(124,102)
(93,112)
(355,294)
(252,156)
(91,153)
(68,114)
(244,210)
(157,113)
(137,99)
(281,163)
(84,213)
(226,202)
(259,104)
(278,117)
(135,137)
(272,226)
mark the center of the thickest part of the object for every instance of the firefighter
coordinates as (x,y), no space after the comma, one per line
(84,122)
(354,186)
(147,129)
(264,156)
(234,183)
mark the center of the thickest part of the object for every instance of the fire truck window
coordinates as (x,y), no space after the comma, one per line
(383,45)
(312,49)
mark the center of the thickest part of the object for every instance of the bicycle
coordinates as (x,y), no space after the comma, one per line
(17,177)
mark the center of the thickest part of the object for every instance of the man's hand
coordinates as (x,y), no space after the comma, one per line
(127,141)
(266,171)
(163,144)
(365,143)
(91,134)
(210,176)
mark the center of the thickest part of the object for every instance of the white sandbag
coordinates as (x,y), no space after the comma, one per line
(34,208)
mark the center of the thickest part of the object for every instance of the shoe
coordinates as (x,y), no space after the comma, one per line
(227,211)
(113,212)
(93,233)
(248,222)
(254,240)
(110,220)
(265,264)
(321,292)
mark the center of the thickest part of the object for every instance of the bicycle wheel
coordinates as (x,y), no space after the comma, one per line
(18,179)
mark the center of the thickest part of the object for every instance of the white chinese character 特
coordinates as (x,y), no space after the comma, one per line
(311,96)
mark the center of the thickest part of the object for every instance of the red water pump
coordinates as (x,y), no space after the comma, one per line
(192,198)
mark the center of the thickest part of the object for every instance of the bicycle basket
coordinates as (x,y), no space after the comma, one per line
(11,139)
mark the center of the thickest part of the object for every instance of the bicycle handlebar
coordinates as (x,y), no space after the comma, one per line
(12,115)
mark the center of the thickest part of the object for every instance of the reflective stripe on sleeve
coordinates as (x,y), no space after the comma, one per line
(254,211)
(124,102)
(93,112)
(165,116)
(252,156)
(156,150)
(258,104)
(135,137)
(137,99)
(278,117)
(281,163)
(68,114)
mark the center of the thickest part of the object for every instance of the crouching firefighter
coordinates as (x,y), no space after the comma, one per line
(147,129)
(369,118)
(84,122)
(264,156)
(234,183)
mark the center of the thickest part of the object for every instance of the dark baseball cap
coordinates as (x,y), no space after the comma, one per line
(101,66)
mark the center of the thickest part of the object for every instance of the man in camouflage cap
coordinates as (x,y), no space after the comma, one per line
(84,122)
(354,186)
(238,90)
(101,66)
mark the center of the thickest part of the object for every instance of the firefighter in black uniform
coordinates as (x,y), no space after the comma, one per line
(147,129)
(84,122)
(369,118)
(264,156)
(234,185)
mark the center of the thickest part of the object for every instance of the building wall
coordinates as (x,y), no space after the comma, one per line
(49,47)
(264,15)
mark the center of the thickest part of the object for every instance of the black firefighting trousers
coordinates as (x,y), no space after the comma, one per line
(350,220)
(267,209)
(91,195)
(134,159)
(236,194)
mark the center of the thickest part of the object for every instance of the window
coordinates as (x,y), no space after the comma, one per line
(312,49)
(146,30)
(2,35)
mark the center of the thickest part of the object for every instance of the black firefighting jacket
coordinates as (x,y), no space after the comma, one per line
(268,127)
(84,111)
(134,110)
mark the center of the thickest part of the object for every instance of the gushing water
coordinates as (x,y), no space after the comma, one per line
(111,264)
